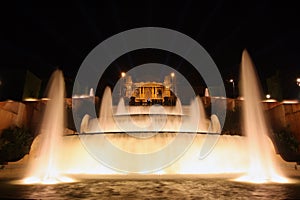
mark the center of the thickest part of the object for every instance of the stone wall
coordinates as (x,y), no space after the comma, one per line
(28,114)
(12,113)
(286,115)
(22,114)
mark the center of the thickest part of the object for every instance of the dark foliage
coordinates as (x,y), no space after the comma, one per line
(232,124)
(15,142)
(286,140)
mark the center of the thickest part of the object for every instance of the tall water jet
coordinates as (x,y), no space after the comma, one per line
(178,107)
(121,109)
(206,93)
(43,166)
(197,113)
(106,121)
(262,166)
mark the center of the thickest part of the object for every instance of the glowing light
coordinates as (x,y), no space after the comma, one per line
(45,99)
(290,101)
(268,96)
(47,180)
(123,74)
(83,96)
(298,81)
(172,74)
(231,81)
(218,97)
(260,179)
(30,99)
(269,100)
(31,180)
(216,163)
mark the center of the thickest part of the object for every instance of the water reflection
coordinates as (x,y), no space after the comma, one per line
(193,188)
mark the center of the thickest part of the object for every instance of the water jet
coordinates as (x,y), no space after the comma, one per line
(44,158)
(262,166)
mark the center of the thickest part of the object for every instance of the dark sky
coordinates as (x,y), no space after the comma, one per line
(42,37)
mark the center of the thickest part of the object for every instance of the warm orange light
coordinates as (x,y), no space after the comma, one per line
(47,180)
(269,100)
(172,74)
(30,99)
(258,179)
(290,101)
(123,74)
(45,99)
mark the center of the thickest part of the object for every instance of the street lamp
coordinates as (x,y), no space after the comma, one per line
(298,83)
(173,82)
(123,74)
(233,87)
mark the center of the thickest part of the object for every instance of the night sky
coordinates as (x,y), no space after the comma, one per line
(42,37)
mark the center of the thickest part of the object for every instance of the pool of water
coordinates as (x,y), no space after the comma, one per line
(155,188)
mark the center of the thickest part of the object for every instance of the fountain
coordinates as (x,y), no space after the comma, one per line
(149,129)
(173,131)
(180,129)
(121,110)
(153,118)
(43,162)
(262,167)
(197,113)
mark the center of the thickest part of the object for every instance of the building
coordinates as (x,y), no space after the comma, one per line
(18,85)
(149,93)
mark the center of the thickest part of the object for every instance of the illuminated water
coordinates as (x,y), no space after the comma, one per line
(53,158)
(228,156)
(262,167)
(43,163)
(155,118)
(150,129)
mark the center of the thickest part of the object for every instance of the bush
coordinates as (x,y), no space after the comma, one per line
(15,143)
(232,124)
(286,139)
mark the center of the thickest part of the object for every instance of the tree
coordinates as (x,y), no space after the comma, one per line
(15,143)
